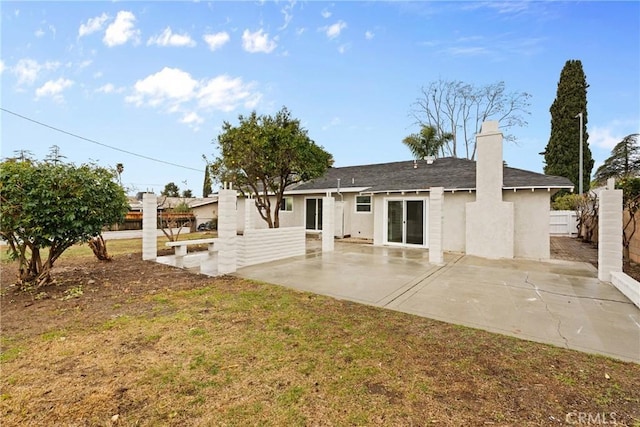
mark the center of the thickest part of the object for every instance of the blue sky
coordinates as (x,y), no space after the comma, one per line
(159,78)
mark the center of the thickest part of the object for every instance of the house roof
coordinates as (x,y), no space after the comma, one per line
(170,202)
(448,172)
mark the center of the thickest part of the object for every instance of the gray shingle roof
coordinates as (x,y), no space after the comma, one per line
(448,172)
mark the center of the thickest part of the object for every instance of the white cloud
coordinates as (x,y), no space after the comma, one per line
(93,25)
(217,40)
(469,51)
(122,30)
(604,137)
(28,70)
(169,84)
(257,42)
(344,47)
(168,38)
(39,33)
(333,31)
(54,89)
(335,121)
(287,13)
(193,120)
(369,35)
(108,88)
(2,66)
(325,14)
(175,91)
(226,94)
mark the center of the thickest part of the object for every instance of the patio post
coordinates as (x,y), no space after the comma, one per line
(328,222)
(436,200)
(149,227)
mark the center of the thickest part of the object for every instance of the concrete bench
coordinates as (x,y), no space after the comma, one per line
(180,249)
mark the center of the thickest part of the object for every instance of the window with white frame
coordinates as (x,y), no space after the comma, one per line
(363,203)
(286,204)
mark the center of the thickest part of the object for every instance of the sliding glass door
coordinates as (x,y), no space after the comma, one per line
(313,214)
(406,221)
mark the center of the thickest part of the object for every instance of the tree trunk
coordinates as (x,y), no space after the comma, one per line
(34,274)
(99,248)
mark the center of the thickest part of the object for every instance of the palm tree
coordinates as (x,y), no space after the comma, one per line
(119,170)
(428,142)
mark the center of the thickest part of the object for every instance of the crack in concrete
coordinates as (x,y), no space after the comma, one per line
(546,307)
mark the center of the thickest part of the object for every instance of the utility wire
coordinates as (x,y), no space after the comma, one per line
(98,143)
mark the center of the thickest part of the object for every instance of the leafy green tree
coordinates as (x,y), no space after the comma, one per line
(427,143)
(54,205)
(207,184)
(187,193)
(567,202)
(561,155)
(624,161)
(171,190)
(264,155)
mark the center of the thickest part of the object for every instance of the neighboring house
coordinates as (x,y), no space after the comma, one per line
(389,203)
(204,209)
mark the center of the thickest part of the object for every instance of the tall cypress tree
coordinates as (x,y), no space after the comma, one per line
(206,186)
(562,156)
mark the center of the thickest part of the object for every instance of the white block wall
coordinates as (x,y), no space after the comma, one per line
(628,286)
(269,244)
(609,234)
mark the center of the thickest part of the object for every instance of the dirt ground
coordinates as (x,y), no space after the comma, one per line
(103,285)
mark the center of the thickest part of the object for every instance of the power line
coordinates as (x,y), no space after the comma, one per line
(98,143)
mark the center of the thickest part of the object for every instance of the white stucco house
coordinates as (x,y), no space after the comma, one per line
(487,209)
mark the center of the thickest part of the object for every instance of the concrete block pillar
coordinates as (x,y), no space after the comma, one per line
(436,202)
(227,251)
(609,233)
(149,227)
(328,223)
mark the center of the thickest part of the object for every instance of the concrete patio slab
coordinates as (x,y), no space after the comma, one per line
(556,302)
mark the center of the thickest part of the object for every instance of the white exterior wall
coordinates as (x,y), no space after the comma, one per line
(205,213)
(531,223)
(454,212)
(361,223)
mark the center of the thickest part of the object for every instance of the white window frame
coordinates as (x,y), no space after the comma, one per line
(370,204)
(284,204)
